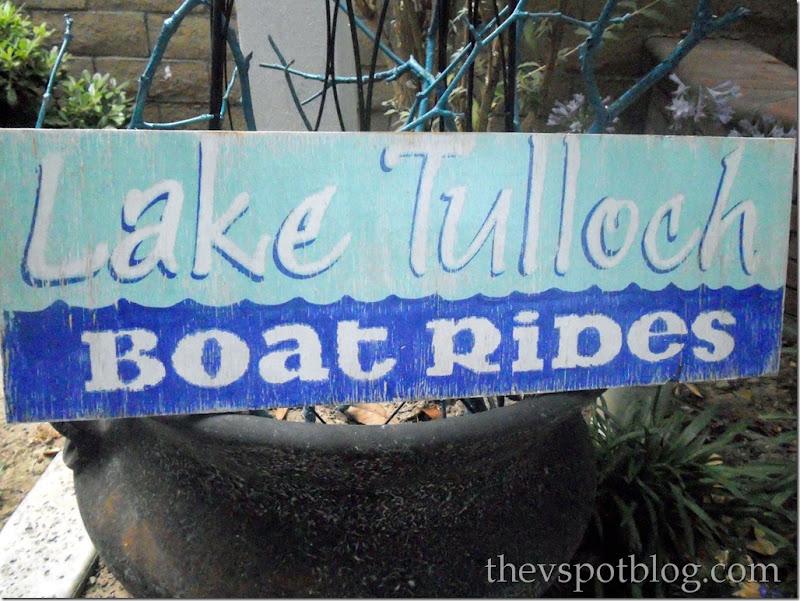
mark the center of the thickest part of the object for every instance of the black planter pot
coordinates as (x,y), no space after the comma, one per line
(242,506)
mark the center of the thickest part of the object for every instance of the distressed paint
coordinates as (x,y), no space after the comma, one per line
(179,272)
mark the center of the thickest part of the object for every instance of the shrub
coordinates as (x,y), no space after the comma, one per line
(89,101)
(668,488)
(25,65)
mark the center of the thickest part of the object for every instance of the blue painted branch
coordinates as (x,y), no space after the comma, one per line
(328,82)
(371,35)
(224,108)
(704,24)
(470,53)
(168,29)
(412,114)
(48,93)
(176,124)
(243,66)
(588,56)
(430,48)
(620,20)
(556,15)
(432,114)
(480,43)
(289,83)
(420,115)
(380,76)
(511,92)
(572,20)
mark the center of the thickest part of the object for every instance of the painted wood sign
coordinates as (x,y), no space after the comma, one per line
(184,272)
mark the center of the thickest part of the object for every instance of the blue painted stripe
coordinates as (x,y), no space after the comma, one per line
(48,365)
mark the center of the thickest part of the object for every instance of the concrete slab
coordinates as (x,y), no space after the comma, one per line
(768,85)
(45,551)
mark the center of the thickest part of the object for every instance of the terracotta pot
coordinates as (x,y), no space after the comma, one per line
(235,505)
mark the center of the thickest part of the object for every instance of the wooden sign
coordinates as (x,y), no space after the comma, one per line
(179,272)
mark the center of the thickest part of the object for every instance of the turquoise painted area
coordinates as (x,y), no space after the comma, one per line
(375,206)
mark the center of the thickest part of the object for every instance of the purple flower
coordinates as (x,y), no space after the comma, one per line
(699,103)
(682,87)
(763,126)
(575,116)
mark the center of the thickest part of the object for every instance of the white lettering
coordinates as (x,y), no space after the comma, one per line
(671,210)
(570,328)
(537,171)
(124,265)
(349,336)
(485,339)
(572,166)
(105,363)
(527,337)
(211,359)
(300,229)
(720,219)
(36,270)
(641,333)
(604,219)
(496,223)
(435,151)
(273,366)
(722,342)
(211,234)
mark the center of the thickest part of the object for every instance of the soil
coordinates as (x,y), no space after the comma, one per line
(25,452)
(26,449)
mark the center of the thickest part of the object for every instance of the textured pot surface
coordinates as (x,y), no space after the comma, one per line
(238,505)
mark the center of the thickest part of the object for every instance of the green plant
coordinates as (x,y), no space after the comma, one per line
(25,65)
(91,101)
(669,487)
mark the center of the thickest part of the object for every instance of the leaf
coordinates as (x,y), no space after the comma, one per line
(762,544)
(770,416)
(654,15)
(628,523)
(695,428)
(694,390)
(776,538)
(698,511)
(529,32)
(723,441)
(748,590)
(281,413)
(609,34)
(432,412)
(370,414)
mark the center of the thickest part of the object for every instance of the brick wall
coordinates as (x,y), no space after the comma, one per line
(117,36)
